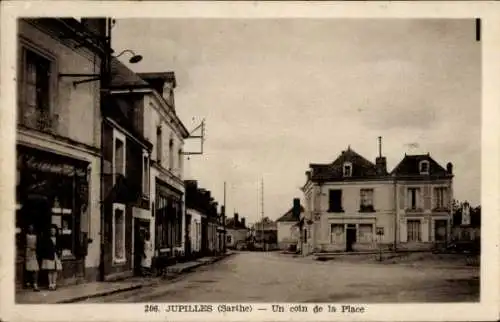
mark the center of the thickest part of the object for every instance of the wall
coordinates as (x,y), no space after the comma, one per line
(77,108)
(195,235)
(285,234)
(237,235)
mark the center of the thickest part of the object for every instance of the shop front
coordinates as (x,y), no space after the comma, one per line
(168,224)
(53,190)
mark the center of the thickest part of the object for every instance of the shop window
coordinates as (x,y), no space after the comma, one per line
(119,233)
(413,228)
(119,159)
(145,175)
(337,234)
(365,233)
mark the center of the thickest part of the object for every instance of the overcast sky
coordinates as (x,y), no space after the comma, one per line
(280,94)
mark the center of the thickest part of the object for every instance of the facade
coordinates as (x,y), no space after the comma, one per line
(237,232)
(203,222)
(354,204)
(126,206)
(58,141)
(287,229)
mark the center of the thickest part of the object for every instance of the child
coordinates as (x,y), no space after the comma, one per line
(51,253)
(147,256)
(31,261)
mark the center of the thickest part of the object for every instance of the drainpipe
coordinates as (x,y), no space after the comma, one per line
(396,216)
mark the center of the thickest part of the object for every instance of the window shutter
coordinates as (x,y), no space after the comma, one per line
(402,197)
(427,197)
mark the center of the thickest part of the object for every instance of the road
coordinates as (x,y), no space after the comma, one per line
(275,277)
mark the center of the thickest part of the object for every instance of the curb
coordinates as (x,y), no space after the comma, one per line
(106,293)
(172,277)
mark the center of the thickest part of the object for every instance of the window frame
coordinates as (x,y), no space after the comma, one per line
(440,194)
(159,144)
(331,206)
(117,135)
(346,165)
(25,46)
(116,260)
(146,185)
(419,230)
(418,198)
(333,233)
(420,167)
(371,206)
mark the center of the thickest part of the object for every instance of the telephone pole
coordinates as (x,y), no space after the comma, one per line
(262,212)
(224,220)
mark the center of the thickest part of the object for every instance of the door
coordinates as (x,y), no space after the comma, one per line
(141,226)
(188,236)
(440,230)
(350,237)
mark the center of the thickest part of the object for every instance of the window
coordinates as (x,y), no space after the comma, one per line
(413,198)
(365,233)
(118,155)
(337,234)
(440,198)
(171,154)
(145,175)
(424,167)
(36,80)
(366,200)
(159,144)
(228,239)
(62,217)
(119,233)
(179,162)
(347,169)
(335,201)
(413,230)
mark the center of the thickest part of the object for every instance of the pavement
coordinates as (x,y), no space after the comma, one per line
(276,277)
(85,291)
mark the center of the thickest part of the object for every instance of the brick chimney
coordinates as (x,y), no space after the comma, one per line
(380,161)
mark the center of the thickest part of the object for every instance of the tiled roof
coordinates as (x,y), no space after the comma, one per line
(289,216)
(122,76)
(361,168)
(409,166)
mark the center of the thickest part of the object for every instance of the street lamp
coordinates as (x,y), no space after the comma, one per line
(134,59)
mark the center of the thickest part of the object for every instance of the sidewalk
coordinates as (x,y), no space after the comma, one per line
(75,293)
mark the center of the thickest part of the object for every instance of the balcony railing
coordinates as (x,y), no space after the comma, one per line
(39,120)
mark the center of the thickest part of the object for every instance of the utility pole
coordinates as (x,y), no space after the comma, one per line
(224,220)
(262,212)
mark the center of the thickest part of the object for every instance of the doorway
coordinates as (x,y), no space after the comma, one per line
(351,233)
(440,230)
(188,250)
(141,226)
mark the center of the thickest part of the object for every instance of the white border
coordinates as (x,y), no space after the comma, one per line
(488,11)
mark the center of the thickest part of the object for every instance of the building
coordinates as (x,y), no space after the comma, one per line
(354,204)
(167,133)
(58,140)
(266,232)
(237,232)
(202,221)
(287,228)
(126,206)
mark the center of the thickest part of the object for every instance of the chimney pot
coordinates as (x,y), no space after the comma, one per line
(449,167)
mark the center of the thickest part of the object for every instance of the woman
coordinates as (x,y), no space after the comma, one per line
(31,261)
(148,255)
(51,253)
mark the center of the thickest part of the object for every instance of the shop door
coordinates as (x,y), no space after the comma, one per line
(141,226)
(350,237)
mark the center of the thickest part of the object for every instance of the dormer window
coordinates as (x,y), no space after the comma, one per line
(347,169)
(424,167)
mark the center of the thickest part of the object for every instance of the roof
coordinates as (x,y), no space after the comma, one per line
(267,226)
(232,224)
(361,168)
(122,76)
(289,216)
(409,167)
(166,76)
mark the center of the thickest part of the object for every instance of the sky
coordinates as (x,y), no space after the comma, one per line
(279,94)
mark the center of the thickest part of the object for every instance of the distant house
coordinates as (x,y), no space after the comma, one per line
(287,229)
(466,223)
(236,232)
(266,231)
(354,204)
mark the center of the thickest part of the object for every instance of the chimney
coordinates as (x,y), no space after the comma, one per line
(380,161)
(308,175)
(449,168)
(243,222)
(296,207)
(236,218)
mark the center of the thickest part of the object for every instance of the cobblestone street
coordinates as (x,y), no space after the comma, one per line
(275,277)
